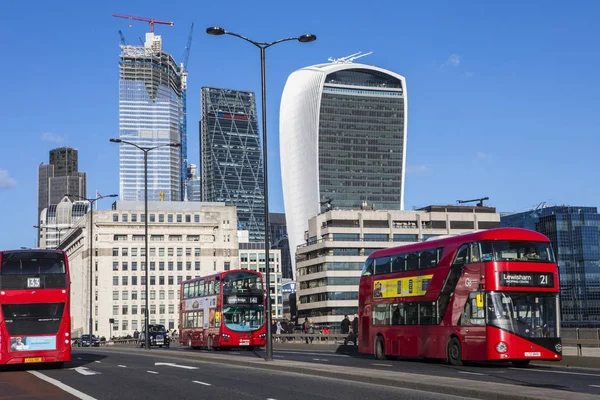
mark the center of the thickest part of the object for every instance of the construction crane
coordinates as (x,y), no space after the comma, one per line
(479,204)
(184,74)
(122,38)
(151,21)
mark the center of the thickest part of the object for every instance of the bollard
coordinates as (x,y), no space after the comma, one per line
(598,334)
(579,352)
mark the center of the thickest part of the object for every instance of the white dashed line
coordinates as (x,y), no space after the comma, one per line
(275,356)
(319,359)
(79,358)
(202,383)
(470,373)
(234,352)
(97,362)
(597,386)
(152,372)
(122,366)
(383,365)
(58,384)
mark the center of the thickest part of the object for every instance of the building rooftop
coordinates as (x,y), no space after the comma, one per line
(184,206)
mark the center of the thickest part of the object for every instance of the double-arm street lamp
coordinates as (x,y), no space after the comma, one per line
(217,31)
(146,150)
(56,228)
(91,201)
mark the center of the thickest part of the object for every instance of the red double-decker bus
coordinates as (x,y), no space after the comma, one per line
(35,321)
(483,296)
(223,310)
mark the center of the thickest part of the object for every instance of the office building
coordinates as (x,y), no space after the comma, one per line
(252,257)
(338,242)
(61,176)
(575,235)
(279,240)
(186,239)
(151,114)
(342,130)
(290,307)
(57,220)
(230,153)
(192,184)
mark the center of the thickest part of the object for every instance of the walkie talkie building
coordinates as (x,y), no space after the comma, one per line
(342,130)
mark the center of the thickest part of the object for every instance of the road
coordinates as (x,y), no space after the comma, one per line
(100,374)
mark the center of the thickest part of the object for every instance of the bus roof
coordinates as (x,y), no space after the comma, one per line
(489,234)
(222,273)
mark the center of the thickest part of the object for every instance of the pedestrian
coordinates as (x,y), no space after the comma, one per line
(355,329)
(305,328)
(345,325)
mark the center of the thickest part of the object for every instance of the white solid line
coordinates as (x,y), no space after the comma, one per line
(202,383)
(122,366)
(269,398)
(556,372)
(323,353)
(60,385)
(470,373)
(598,386)
(97,362)
(383,365)
(152,372)
(234,352)
(276,356)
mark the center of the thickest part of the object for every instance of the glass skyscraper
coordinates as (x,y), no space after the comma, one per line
(230,152)
(150,114)
(342,129)
(575,236)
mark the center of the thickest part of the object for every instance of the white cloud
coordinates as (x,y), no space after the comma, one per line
(53,137)
(452,61)
(480,155)
(418,169)
(5,180)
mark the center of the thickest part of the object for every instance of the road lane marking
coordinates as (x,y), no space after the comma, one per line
(122,366)
(85,371)
(383,365)
(470,373)
(319,359)
(202,383)
(556,372)
(323,353)
(79,358)
(152,372)
(97,362)
(235,352)
(598,386)
(276,356)
(62,386)
(174,365)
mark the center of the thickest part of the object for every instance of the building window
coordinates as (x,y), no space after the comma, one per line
(152,266)
(124,280)
(197,252)
(134,252)
(179,265)
(115,281)
(115,252)
(188,265)
(134,280)
(134,309)
(179,218)
(170,280)
(170,266)
(115,217)
(180,252)
(161,217)
(188,218)
(152,280)
(161,309)
(124,311)
(123,217)
(161,280)
(171,293)
(152,309)
(171,309)
(170,252)
(152,252)
(161,294)
(152,218)
(197,266)
(115,295)
(115,265)
(161,252)
(161,265)
(133,217)
(188,252)
(197,219)
(170,218)
(227,266)
(153,295)
(125,265)
(142,217)
(115,310)
(134,295)
(134,265)
(179,280)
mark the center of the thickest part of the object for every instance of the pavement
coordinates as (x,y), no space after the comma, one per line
(127,373)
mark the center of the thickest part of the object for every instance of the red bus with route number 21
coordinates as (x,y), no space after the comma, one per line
(35,322)
(485,296)
(223,310)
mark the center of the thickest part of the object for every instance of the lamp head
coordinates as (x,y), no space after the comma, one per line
(215,30)
(175,144)
(115,140)
(309,37)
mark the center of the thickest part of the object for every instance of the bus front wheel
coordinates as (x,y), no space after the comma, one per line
(455,352)
(379,348)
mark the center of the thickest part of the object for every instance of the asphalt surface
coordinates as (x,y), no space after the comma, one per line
(110,375)
(580,380)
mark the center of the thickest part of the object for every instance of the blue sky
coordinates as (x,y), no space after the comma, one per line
(502,95)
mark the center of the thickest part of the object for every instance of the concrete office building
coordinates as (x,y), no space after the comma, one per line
(59,177)
(342,130)
(192,184)
(231,157)
(338,242)
(575,235)
(186,239)
(57,220)
(151,113)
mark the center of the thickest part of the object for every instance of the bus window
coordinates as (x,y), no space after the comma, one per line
(474,311)
(475,255)
(217,285)
(201,288)
(412,314)
(382,265)
(399,263)
(211,288)
(186,291)
(368,268)
(427,259)
(412,261)
(381,314)
(427,313)
(398,314)
(461,255)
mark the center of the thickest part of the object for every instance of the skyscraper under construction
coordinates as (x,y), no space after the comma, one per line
(151,113)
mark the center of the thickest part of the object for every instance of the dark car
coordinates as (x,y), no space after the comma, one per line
(158,336)
(84,341)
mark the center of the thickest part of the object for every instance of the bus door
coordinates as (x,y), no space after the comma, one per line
(472,321)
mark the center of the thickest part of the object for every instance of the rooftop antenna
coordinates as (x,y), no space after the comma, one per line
(348,59)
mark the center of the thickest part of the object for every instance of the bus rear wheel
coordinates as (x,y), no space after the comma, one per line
(520,363)
(379,348)
(455,352)
(189,341)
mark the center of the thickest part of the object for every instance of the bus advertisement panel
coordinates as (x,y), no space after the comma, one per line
(488,295)
(223,310)
(35,322)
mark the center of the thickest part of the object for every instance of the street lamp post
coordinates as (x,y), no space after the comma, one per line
(91,201)
(217,31)
(57,229)
(146,150)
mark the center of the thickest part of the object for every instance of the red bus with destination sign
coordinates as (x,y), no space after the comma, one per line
(223,310)
(485,296)
(35,322)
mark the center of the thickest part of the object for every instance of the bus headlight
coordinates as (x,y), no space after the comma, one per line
(225,337)
(262,337)
(501,347)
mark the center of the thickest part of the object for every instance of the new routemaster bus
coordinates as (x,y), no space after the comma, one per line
(482,296)
(35,322)
(223,310)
